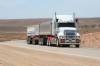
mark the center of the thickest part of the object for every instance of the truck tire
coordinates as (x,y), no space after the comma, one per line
(41,42)
(29,41)
(68,45)
(77,45)
(36,42)
(44,41)
(59,45)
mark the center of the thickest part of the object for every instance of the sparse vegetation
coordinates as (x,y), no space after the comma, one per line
(16,29)
(12,36)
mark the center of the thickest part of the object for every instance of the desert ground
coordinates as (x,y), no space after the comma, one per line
(18,53)
(14,51)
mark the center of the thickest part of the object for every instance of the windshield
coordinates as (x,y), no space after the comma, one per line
(66,24)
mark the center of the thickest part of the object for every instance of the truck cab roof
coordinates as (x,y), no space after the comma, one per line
(65,18)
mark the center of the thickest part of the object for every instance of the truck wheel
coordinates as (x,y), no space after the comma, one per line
(36,42)
(68,45)
(59,45)
(29,41)
(44,41)
(77,45)
(41,42)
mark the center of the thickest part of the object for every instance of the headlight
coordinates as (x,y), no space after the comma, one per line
(77,40)
(78,37)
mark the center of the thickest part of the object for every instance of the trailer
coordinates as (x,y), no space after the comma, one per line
(61,31)
(32,31)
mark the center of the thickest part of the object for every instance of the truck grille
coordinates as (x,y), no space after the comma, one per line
(70,37)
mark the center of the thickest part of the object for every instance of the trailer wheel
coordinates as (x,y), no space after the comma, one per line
(29,40)
(59,45)
(44,41)
(68,45)
(36,42)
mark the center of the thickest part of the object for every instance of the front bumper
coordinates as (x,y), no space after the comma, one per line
(71,41)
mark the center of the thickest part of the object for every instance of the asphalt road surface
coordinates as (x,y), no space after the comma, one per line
(18,53)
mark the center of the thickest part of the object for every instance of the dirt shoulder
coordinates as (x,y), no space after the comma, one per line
(91,40)
(26,57)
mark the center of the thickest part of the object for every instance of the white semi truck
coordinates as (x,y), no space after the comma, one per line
(61,31)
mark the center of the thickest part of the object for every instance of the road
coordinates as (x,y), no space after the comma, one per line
(18,53)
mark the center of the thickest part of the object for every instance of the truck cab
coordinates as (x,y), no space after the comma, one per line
(66,30)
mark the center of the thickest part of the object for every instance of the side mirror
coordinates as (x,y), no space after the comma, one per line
(76,20)
(56,20)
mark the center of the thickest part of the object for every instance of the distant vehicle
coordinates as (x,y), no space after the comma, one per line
(61,31)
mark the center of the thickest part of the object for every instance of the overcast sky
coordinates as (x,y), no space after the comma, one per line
(18,9)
